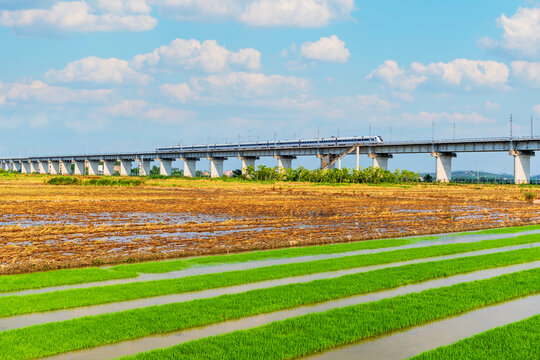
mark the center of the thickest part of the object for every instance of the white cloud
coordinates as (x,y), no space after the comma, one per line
(247,84)
(527,72)
(403,95)
(300,13)
(239,122)
(537,109)
(39,91)
(181,92)
(82,16)
(301,102)
(168,115)
(492,105)
(478,72)
(521,33)
(425,118)
(233,85)
(98,70)
(127,108)
(38,121)
(208,56)
(372,101)
(123,6)
(457,72)
(325,49)
(2,96)
(365,102)
(390,73)
(92,124)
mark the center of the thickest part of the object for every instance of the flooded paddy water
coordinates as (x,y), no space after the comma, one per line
(405,344)
(174,338)
(46,227)
(52,316)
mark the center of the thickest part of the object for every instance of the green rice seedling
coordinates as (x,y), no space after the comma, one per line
(312,333)
(57,337)
(60,277)
(517,341)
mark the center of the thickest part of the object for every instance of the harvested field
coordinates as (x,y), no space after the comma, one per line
(47,226)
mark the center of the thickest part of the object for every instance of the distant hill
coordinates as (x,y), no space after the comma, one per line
(471,175)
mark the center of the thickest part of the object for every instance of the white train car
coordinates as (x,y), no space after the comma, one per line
(333,141)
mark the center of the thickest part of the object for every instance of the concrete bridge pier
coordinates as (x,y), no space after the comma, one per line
(42,169)
(443,165)
(190,166)
(284,161)
(380,160)
(15,166)
(33,167)
(247,161)
(216,166)
(25,167)
(65,167)
(108,167)
(522,165)
(165,166)
(5,166)
(79,167)
(125,167)
(93,167)
(144,167)
(327,159)
(54,167)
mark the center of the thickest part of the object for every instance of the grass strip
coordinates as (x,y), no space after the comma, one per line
(60,277)
(53,338)
(181,264)
(314,333)
(18,305)
(516,341)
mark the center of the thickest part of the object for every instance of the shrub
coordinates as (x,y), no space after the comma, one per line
(529,195)
(63,180)
(104,181)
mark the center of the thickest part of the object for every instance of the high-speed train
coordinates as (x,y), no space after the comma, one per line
(332,141)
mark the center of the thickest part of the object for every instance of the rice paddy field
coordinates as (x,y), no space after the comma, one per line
(49,227)
(426,288)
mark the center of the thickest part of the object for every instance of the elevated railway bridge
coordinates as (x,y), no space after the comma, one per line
(330,151)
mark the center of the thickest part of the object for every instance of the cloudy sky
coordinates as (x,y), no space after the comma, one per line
(119,75)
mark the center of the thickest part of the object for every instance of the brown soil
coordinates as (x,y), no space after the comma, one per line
(46,226)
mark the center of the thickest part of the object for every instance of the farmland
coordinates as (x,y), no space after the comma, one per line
(49,227)
(301,305)
(283,271)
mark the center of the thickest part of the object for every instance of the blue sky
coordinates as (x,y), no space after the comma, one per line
(119,75)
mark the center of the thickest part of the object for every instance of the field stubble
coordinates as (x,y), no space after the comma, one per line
(46,227)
